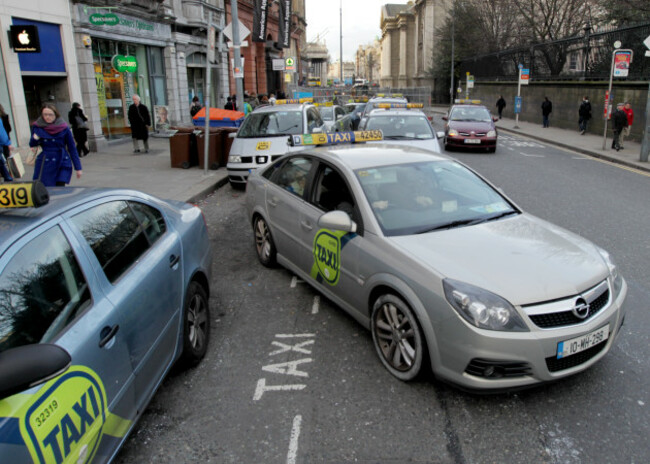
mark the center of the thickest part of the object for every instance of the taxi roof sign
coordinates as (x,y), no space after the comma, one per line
(23,195)
(398,105)
(294,100)
(335,138)
(465,101)
(324,103)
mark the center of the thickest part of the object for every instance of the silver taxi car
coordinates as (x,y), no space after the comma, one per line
(403,126)
(262,137)
(445,271)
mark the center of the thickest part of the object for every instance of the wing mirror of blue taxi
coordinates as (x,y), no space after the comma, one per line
(26,366)
(337,220)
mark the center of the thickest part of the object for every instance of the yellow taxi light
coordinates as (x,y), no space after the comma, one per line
(23,195)
(324,104)
(465,101)
(294,100)
(335,138)
(399,105)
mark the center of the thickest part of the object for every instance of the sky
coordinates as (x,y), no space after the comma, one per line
(360,24)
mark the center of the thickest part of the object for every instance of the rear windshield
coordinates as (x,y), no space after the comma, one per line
(271,124)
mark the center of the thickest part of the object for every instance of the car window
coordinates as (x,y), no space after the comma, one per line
(313,120)
(271,124)
(421,197)
(292,176)
(400,126)
(116,236)
(327,113)
(332,193)
(467,113)
(42,289)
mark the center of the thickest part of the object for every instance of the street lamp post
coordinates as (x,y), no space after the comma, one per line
(451,86)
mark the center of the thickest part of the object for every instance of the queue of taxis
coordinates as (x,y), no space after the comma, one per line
(446,272)
(469,125)
(101,292)
(262,137)
(377,100)
(335,117)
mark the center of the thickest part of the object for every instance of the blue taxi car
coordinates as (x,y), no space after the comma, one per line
(101,291)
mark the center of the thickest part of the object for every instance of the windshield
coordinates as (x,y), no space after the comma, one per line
(470,114)
(401,127)
(271,124)
(327,113)
(425,197)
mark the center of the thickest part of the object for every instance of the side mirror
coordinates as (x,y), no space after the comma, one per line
(440,134)
(494,119)
(232,135)
(337,220)
(317,130)
(445,118)
(30,365)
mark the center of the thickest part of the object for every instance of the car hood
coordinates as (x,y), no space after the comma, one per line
(425,144)
(523,259)
(468,126)
(252,147)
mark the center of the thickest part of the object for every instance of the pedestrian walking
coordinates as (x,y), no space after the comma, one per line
(59,155)
(140,121)
(630,119)
(272,99)
(196,106)
(5,142)
(247,108)
(584,115)
(229,105)
(501,104)
(619,122)
(77,120)
(547,109)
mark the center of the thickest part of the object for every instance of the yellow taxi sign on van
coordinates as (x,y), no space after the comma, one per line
(294,100)
(263,145)
(336,138)
(324,104)
(23,195)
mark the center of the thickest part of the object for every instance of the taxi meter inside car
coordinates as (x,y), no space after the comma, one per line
(446,272)
(101,292)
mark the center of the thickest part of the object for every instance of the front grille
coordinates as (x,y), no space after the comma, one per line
(564,318)
(497,369)
(247,159)
(554,365)
(477,134)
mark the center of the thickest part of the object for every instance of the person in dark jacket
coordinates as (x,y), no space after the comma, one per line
(501,104)
(547,109)
(584,113)
(140,120)
(77,120)
(5,141)
(619,122)
(196,106)
(54,164)
(229,105)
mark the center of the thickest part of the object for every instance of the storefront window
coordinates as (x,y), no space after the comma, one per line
(116,87)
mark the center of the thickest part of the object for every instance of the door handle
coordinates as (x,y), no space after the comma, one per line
(107,334)
(306,225)
(272,201)
(173,260)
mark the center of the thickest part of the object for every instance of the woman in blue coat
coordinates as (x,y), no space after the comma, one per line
(54,164)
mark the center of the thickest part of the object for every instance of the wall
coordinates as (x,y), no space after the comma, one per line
(566,98)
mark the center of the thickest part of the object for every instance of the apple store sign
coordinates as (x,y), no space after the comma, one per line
(25,39)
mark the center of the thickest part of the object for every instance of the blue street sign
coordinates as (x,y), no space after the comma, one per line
(517,105)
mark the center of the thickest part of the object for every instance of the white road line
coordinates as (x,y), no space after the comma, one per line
(533,156)
(294,335)
(314,307)
(293,442)
(262,388)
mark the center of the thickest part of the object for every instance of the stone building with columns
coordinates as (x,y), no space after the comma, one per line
(408,40)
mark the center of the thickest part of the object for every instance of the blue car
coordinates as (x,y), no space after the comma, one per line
(101,292)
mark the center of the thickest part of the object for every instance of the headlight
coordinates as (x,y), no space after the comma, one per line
(617,278)
(492,133)
(452,133)
(481,308)
(234,158)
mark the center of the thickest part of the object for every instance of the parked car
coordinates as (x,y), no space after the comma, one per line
(470,126)
(374,103)
(262,137)
(335,117)
(409,127)
(355,110)
(444,270)
(101,292)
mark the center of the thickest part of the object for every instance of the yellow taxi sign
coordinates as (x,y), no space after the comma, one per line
(264,145)
(399,105)
(23,195)
(337,138)
(294,100)
(324,104)
(361,100)
(465,101)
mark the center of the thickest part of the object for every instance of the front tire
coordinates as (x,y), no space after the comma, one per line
(196,325)
(264,245)
(397,337)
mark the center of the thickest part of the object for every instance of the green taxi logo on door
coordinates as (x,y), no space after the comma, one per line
(327,256)
(125,63)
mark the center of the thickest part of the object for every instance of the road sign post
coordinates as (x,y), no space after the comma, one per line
(524,78)
(622,59)
(645,143)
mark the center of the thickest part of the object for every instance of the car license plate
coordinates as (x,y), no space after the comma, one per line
(472,140)
(584,342)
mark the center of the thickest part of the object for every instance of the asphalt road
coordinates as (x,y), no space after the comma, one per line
(290,378)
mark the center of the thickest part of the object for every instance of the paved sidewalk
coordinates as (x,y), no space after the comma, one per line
(589,144)
(118,166)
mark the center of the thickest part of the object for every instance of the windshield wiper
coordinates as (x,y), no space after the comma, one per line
(451,225)
(500,215)
(398,137)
